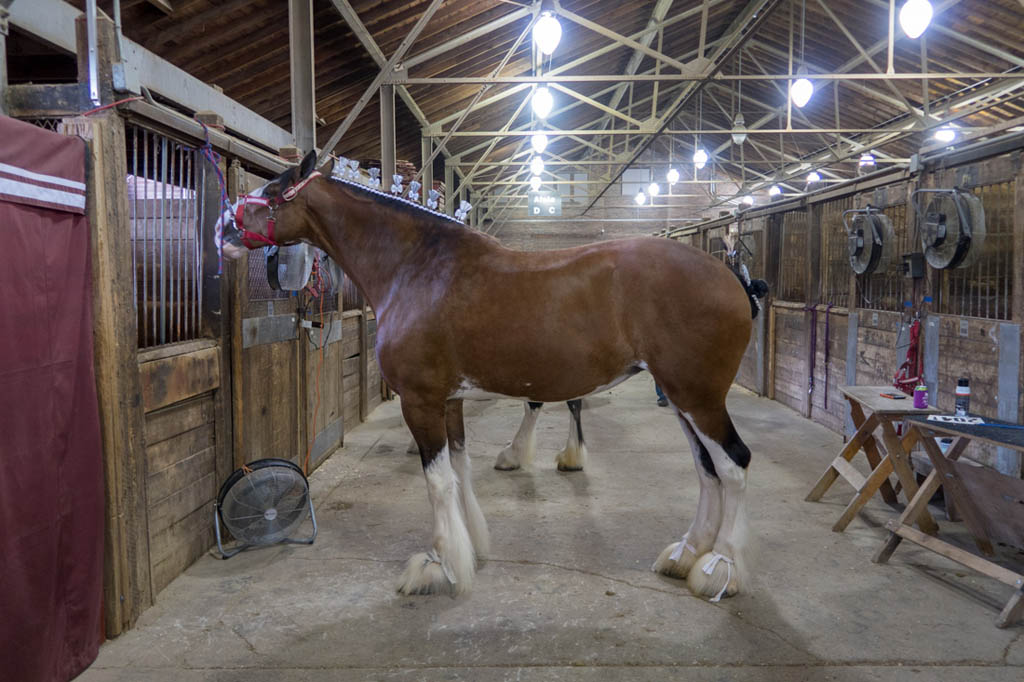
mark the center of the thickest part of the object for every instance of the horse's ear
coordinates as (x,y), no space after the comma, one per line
(307,165)
(327,168)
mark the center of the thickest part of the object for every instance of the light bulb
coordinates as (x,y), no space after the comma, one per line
(640,198)
(739,135)
(748,200)
(542,102)
(547,32)
(915,17)
(945,134)
(539,142)
(866,159)
(672,176)
(653,189)
(535,183)
(700,158)
(536,165)
(774,191)
(801,89)
(813,177)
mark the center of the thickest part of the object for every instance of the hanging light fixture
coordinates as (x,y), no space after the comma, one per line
(801,89)
(672,176)
(739,130)
(915,17)
(535,183)
(700,158)
(653,189)
(536,165)
(547,32)
(748,200)
(774,191)
(542,102)
(813,177)
(945,134)
(539,142)
(640,198)
(867,160)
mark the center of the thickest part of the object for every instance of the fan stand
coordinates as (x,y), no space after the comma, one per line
(227,554)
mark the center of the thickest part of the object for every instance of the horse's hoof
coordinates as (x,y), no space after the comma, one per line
(674,568)
(508,460)
(713,577)
(571,459)
(505,466)
(423,575)
(563,467)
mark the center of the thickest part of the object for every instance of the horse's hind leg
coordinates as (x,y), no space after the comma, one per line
(450,564)
(677,559)
(463,471)
(574,456)
(521,450)
(717,573)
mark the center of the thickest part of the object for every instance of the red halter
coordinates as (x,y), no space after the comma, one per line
(253,239)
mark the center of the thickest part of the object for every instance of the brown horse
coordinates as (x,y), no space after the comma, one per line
(460,316)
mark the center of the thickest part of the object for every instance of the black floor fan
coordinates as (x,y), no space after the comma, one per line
(263,503)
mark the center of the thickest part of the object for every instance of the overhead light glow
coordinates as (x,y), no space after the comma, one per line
(813,177)
(915,17)
(867,159)
(653,189)
(672,176)
(539,142)
(801,89)
(945,134)
(547,32)
(748,200)
(535,183)
(640,198)
(739,130)
(700,158)
(542,102)
(774,191)
(536,165)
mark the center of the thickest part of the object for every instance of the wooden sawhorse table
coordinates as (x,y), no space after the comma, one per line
(884,411)
(991,503)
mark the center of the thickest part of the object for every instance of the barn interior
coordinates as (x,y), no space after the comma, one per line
(861,158)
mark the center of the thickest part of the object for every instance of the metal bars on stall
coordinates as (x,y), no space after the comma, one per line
(165,178)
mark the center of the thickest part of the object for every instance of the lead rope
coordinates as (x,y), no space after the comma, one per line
(208,152)
(709,568)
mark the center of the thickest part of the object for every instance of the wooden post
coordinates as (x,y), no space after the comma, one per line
(427,169)
(450,204)
(127,586)
(812,294)
(387,136)
(236,186)
(364,363)
(4,13)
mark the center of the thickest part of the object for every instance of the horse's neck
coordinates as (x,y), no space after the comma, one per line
(377,245)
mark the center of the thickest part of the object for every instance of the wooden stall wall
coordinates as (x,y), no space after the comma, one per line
(789,362)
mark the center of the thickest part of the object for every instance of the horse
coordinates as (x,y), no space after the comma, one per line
(520,452)
(459,316)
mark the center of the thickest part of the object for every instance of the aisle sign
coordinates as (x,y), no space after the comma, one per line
(545,204)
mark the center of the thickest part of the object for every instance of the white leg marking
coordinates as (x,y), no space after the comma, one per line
(471,511)
(574,456)
(414,448)
(523,447)
(717,574)
(450,566)
(677,559)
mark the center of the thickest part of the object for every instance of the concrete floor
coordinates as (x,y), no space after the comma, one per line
(567,593)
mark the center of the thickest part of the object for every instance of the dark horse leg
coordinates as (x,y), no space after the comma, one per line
(450,564)
(574,456)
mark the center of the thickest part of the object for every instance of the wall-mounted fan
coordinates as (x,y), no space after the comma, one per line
(870,239)
(952,227)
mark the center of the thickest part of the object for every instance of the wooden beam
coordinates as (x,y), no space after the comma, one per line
(300,45)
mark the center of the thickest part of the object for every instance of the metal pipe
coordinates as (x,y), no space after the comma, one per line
(90,28)
(117,30)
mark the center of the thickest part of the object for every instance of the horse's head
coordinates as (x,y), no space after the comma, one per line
(275,214)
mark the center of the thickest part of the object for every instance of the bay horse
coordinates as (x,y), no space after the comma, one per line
(460,316)
(519,454)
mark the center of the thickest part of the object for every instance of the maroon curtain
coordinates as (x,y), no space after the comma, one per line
(51,477)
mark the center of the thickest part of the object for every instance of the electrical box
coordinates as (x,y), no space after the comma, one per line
(913,265)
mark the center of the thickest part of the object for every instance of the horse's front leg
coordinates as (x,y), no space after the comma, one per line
(464,475)
(450,564)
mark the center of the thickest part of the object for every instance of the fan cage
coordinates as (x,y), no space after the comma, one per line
(265,505)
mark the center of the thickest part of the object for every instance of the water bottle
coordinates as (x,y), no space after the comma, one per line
(963,397)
